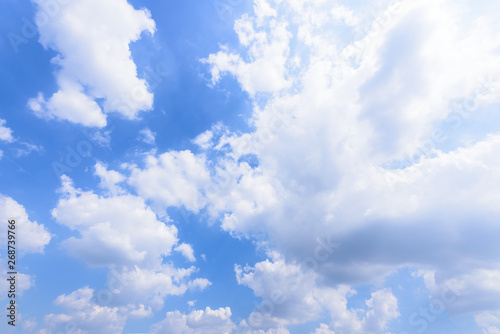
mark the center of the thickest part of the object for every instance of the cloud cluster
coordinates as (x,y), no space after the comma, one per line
(292,295)
(94,60)
(367,142)
(120,232)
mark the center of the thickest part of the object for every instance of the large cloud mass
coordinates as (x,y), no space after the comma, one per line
(387,146)
(374,148)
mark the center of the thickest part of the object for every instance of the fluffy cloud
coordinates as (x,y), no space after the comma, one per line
(206,321)
(121,232)
(265,72)
(292,294)
(172,179)
(109,179)
(117,230)
(147,136)
(489,321)
(323,329)
(5,132)
(94,61)
(84,316)
(187,251)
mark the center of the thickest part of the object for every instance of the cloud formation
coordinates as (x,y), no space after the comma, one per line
(120,232)
(95,71)
(5,132)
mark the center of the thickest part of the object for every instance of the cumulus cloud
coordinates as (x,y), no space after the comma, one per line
(323,329)
(109,178)
(84,315)
(293,295)
(172,179)
(147,136)
(265,72)
(206,321)
(118,231)
(94,60)
(5,132)
(109,233)
(187,251)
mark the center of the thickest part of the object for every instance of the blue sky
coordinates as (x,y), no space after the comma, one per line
(259,167)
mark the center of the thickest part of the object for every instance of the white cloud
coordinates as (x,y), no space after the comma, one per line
(172,179)
(323,329)
(489,321)
(343,14)
(109,179)
(25,149)
(206,321)
(148,286)
(34,235)
(84,316)
(245,330)
(24,281)
(187,251)
(204,140)
(109,232)
(266,70)
(5,132)
(293,295)
(147,136)
(29,324)
(94,62)
(121,232)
